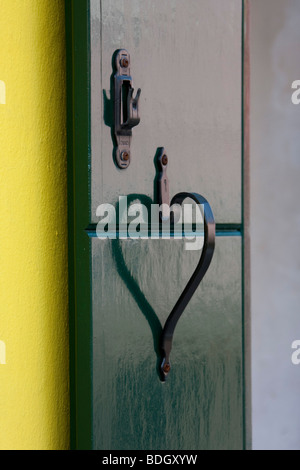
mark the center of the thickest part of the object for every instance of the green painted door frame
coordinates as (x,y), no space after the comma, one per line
(233,236)
(78,141)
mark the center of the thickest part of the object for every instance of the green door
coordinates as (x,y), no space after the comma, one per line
(187,57)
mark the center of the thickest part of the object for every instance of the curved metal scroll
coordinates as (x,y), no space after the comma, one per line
(196,278)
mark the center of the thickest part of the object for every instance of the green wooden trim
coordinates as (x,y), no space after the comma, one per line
(78,128)
(246,226)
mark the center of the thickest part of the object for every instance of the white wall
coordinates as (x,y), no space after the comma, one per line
(275,222)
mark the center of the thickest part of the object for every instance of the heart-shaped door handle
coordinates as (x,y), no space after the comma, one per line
(193,283)
(203,264)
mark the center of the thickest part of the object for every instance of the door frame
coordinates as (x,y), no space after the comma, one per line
(79,244)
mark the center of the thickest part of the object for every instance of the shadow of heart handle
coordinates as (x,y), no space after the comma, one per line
(133,286)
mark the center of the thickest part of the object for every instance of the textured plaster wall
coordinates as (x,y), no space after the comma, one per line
(34,386)
(275,222)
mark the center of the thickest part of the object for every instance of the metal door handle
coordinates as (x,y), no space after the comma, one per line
(193,283)
(203,264)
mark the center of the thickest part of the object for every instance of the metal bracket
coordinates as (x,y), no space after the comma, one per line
(126,108)
(163,193)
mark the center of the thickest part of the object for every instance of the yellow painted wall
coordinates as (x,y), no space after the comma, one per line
(34,385)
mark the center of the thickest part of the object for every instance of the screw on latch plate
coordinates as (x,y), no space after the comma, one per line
(126,108)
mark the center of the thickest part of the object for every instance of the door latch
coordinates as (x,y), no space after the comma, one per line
(162,187)
(126,108)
